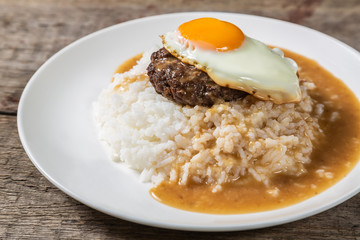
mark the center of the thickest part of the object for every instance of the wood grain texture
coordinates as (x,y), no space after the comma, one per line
(33,30)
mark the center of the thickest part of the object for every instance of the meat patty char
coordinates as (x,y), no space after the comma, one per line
(184,83)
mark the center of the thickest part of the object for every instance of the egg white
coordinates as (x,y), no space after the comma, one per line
(253,67)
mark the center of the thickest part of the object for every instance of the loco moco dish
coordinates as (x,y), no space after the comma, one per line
(221,123)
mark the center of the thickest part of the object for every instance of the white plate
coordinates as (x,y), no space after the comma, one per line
(56,128)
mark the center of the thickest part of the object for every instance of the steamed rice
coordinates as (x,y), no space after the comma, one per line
(227,142)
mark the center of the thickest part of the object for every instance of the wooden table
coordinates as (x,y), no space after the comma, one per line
(33,30)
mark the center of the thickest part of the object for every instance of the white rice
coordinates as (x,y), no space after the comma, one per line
(221,144)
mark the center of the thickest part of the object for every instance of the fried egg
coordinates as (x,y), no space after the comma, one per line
(234,60)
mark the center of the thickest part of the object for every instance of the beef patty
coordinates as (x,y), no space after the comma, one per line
(184,83)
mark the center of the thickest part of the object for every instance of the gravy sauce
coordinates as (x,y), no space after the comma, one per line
(124,67)
(128,64)
(332,158)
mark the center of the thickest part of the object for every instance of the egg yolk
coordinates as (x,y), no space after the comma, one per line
(212,34)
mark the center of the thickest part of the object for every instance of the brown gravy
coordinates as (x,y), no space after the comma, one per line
(124,67)
(338,154)
(128,64)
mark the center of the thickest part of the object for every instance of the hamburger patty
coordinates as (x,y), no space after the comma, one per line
(184,83)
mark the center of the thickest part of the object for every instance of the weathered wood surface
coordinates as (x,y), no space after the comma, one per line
(33,30)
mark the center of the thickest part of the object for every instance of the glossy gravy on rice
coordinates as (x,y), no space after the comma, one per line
(331,159)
